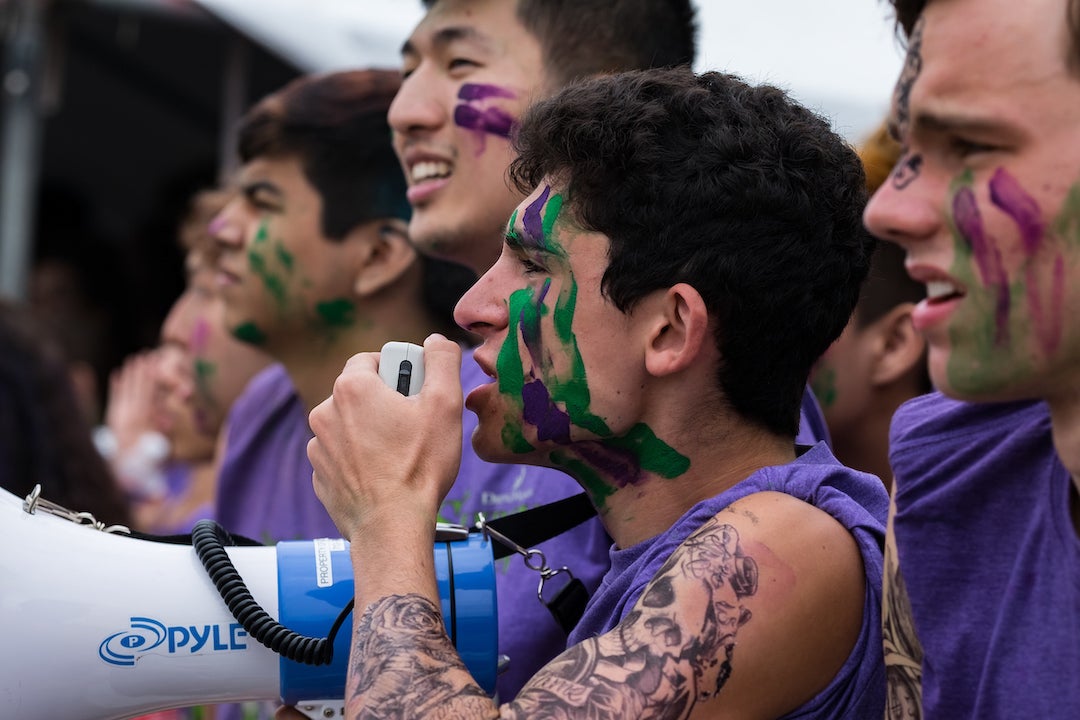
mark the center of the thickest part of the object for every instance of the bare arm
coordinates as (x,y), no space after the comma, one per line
(750,617)
(677,654)
(903,651)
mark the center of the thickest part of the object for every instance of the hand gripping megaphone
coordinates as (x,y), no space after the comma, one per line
(100,625)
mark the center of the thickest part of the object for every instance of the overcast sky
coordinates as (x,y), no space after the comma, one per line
(838,56)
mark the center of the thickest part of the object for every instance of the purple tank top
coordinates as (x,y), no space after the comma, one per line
(990,558)
(856,500)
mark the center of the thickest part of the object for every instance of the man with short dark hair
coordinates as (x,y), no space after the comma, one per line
(471,67)
(983,559)
(676,227)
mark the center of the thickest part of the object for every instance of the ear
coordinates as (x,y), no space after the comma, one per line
(899,348)
(678,330)
(385,253)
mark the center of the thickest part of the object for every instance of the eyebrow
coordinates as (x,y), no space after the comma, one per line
(927,121)
(447,36)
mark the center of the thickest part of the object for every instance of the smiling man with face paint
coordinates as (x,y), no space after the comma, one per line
(983,558)
(470,69)
(629,329)
(315,265)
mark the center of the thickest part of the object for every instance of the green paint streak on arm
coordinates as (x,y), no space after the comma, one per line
(338,313)
(654,455)
(598,490)
(249,333)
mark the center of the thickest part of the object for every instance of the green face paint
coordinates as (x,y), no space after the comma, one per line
(249,333)
(551,399)
(340,313)
(824,386)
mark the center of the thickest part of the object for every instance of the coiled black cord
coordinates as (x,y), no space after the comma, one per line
(209,539)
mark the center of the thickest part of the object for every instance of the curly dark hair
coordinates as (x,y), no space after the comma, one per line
(580,38)
(736,190)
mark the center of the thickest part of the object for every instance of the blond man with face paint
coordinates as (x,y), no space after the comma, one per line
(629,330)
(983,558)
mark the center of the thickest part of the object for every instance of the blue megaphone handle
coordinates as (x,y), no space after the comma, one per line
(315,581)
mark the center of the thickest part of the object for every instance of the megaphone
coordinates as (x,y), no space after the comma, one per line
(104,626)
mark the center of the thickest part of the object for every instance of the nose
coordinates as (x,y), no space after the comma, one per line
(418,106)
(225,229)
(483,309)
(174,329)
(904,214)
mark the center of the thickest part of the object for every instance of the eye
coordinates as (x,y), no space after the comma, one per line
(460,64)
(962,147)
(532,267)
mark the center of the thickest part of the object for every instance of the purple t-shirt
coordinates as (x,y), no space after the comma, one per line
(990,558)
(528,633)
(857,500)
(264,486)
(265,493)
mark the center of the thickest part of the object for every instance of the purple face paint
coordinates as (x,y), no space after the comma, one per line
(987,257)
(216,225)
(478,91)
(550,422)
(1006,193)
(618,464)
(492,121)
(199,335)
(474,112)
(533,221)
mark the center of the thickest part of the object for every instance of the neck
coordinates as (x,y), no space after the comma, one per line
(1065,424)
(865,446)
(314,362)
(641,509)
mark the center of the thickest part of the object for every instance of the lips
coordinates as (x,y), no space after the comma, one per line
(943,295)
(426,173)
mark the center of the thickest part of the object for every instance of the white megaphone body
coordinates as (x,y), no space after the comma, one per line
(105,626)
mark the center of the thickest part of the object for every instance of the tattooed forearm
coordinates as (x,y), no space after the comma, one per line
(404,665)
(672,651)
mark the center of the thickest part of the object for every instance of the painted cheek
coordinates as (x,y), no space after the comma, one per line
(200,335)
(1045,296)
(983,247)
(474,113)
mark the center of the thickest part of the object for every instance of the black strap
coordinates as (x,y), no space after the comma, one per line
(531,527)
(543,522)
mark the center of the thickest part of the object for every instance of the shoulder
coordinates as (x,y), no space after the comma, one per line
(783,583)
(934,437)
(936,418)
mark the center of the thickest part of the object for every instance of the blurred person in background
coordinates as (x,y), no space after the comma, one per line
(879,361)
